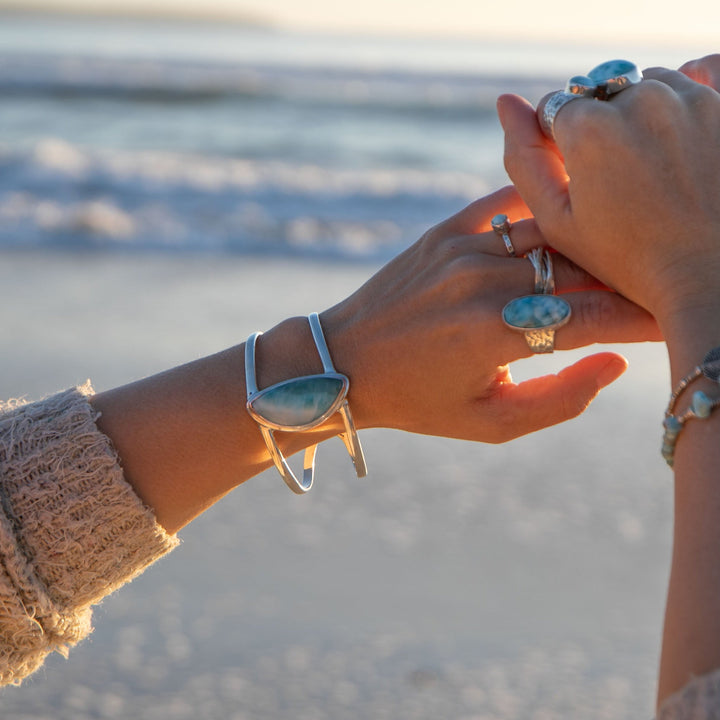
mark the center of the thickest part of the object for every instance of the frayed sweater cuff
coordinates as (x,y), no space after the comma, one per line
(72,529)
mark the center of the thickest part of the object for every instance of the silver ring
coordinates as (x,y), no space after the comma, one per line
(541,261)
(538,317)
(501,225)
(552,107)
(603,81)
(612,77)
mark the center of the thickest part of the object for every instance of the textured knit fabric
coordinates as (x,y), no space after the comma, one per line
(71,528)
(698,700)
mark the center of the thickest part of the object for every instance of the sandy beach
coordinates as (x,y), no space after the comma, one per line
(457,581)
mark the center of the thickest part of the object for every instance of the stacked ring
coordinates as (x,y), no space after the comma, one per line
(538,316)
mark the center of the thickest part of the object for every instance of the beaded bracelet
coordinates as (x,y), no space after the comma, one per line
(701,406)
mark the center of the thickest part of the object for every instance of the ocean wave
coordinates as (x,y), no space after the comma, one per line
(63,195)
(161,81)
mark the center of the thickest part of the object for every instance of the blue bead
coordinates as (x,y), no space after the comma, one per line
(672,424)
(701,405)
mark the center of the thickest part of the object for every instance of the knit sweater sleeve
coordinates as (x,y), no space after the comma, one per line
(71,528)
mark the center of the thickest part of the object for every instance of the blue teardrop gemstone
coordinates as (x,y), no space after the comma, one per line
(300,402)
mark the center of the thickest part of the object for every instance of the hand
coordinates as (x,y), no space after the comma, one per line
(425,348)
(633,194)
(422,343)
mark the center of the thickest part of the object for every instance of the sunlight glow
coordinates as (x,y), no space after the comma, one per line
(619,20)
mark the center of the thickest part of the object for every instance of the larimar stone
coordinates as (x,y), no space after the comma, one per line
(301,401)
(702,405)
(581,85)
(672,426)
(536,312)
(613,76)
(615,68)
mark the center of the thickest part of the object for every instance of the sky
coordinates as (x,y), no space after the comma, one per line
(646,20)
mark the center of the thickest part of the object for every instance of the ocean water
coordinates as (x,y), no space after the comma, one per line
(182,137)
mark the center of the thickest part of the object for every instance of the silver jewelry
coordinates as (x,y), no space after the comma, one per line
(501,225)
(544,271)
(538,316)
(301,403)
(701,407)
(603,81)
(552,107)
(611,77)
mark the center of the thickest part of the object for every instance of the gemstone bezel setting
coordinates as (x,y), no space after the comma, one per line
(296,404)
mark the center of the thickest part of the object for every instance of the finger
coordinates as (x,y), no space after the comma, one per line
(537,171)
(704,70)
(524,236)
(596,317)
(552,399)
(605,317)
(677,80)
(476,217)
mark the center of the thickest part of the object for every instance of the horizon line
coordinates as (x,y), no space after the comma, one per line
(40,8)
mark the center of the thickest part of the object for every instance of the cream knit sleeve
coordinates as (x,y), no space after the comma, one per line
(71,528)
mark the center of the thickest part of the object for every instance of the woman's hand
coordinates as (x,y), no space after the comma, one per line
(632,190)
(426,350)
(422,343)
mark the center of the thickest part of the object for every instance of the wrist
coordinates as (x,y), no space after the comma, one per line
(288,351)
(689,333)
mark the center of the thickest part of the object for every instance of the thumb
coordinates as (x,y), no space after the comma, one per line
(552,399)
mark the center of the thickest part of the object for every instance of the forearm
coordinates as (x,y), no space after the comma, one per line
(184,436)
(692,622)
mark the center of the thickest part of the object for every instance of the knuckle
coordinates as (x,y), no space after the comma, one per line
(703,97)
(597,311)
(460,274)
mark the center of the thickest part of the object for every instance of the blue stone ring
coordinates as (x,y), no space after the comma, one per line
(300,404)
(601,83)
(541,314)
(538,316)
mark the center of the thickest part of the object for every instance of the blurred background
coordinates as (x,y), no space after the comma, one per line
(173,177)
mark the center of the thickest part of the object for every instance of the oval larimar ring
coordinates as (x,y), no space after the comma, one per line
(552,107)
(501,225)
(605,80)
(538,316)
(613,76)
(601,83)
